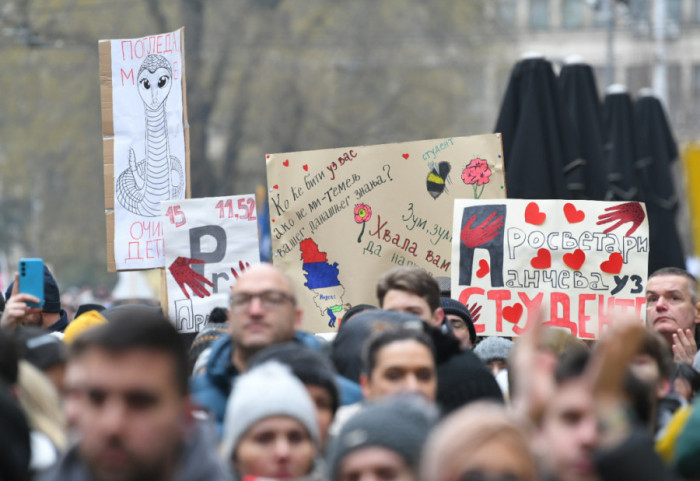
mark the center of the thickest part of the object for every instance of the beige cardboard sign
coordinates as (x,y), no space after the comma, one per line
(341,217)
(581,263)
(145,143)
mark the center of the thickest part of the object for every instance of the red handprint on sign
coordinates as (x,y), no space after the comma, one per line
(474,311)
(241,267)
(623,213)
(484,232)
(184,275)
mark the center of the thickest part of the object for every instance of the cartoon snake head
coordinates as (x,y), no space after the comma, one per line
(154,81)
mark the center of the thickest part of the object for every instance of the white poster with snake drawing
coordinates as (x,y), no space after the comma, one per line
(149,143)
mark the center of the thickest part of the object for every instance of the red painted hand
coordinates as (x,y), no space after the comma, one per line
(623,213)
(184,275)
(484,232)
(241,267)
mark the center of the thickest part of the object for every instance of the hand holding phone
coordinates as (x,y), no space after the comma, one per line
(21,307)
(31,280)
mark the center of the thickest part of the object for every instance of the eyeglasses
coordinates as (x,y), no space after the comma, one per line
(240,301)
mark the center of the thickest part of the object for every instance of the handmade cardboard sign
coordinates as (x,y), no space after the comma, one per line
(145,143)
(341,217)
(583,262)
(209,242)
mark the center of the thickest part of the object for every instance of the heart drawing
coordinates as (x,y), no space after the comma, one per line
(575,259)
(286,163)
(543,260)
(533,215)
(512,314)
(483,269)
(613,265)
(573,215)
(306,167)
(405,156)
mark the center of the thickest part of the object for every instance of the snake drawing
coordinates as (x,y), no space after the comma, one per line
(143,185)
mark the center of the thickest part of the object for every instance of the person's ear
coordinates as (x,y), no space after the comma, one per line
(438,317)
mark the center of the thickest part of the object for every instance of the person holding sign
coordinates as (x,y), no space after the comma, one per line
(673,310)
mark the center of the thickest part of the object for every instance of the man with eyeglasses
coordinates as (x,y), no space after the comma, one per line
(263,312)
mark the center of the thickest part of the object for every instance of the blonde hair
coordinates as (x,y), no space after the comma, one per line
(41,404)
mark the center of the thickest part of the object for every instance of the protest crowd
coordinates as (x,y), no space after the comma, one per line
(405,391)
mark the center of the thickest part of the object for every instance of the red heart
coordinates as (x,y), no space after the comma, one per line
(512,314)
(267,156)
(543,260)
(613,265)
(273,220)
(572,214)
(533,215)
(286,163)
(306,167)
(405,156)
(575,259)
(483,268)
(275,186)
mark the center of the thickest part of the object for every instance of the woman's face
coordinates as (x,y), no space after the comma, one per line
(276,447)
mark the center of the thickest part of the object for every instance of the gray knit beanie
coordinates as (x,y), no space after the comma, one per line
(267,390)
(399,423)
(493,348)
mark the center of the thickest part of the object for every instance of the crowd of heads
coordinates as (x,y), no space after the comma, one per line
(405,391)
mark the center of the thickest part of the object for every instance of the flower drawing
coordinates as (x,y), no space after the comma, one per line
(363,213)
(476,174)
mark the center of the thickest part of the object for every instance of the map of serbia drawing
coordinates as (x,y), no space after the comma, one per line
(322,279)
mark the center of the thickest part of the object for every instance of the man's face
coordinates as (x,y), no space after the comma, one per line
(374,463)
(324,409)
(460,330)
(401,366)
(132,416)
(258,324)
(404,301)
(569,433)
(670,305)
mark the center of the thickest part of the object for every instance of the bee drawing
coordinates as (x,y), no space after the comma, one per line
(437,178)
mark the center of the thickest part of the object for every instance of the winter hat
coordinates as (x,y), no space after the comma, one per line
(309,366)
(493,348)
(83,308)
(350,340)
(355,310)
(82,323)
(450,306)
(52,298)
(398,423)
(464,379)
(40,348)
(267,390)
(204,339)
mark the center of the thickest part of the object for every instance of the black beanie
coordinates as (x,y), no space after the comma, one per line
(309,366)
(450,306)
(464,379)
(52,297)
(399,423)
